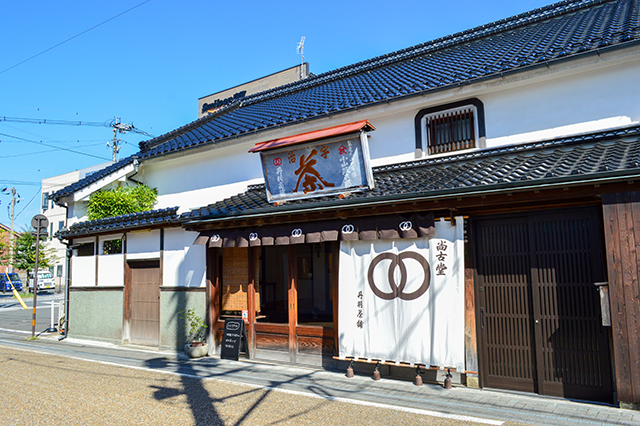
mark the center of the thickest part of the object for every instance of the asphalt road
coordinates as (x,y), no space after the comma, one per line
(44,389)
(14,317)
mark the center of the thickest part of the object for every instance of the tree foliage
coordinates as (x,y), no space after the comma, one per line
(121,200)
(4,247)
(24,257)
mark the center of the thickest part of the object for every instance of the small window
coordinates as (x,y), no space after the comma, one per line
(450,131)
(45,201)
(60,225)
(449,128)
(112,247)
(58,270)
(86,249)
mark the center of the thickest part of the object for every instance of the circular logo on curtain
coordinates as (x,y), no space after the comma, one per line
(397,289)
(215,237)
(347,229)
(296,232)
(406,225)
(253,236)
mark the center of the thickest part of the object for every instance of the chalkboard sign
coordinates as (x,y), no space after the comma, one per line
(234,339)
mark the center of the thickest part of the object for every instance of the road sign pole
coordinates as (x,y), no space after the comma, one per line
(35,284)
(40,224)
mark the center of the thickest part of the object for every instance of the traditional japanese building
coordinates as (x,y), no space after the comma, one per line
(463,205)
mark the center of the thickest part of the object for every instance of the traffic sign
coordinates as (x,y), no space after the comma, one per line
(39,222)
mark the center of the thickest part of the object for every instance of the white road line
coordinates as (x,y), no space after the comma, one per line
(300,393)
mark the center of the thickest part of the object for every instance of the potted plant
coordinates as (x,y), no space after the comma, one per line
(195,347)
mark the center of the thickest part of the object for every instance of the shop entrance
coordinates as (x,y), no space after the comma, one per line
(292,292)
(540,324)
(296,299)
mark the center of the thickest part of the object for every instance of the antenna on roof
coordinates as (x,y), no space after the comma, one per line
(300,51)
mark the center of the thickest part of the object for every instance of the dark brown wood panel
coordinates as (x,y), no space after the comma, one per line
(622,217)
(504,274)
(540,318)
(273,342)
(573,344)
(144,323)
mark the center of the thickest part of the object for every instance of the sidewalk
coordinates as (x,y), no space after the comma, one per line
(494,406)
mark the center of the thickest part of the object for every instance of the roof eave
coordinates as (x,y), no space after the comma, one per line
(326,206)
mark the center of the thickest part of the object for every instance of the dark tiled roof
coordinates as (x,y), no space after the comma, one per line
(127,222)
(585,158)
(93,177)
(542,35)
(537,37)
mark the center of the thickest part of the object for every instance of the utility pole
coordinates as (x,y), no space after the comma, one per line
(15,198)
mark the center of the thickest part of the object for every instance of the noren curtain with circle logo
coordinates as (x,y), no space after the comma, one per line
(402,300)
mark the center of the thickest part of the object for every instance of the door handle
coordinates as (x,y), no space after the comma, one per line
(482,318)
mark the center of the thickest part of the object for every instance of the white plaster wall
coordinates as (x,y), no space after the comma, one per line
(83,268)
(143,244)
(184,263)
(110,266)
(589,101)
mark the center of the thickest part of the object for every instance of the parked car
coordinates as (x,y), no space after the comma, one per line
(6,279)
(45,281)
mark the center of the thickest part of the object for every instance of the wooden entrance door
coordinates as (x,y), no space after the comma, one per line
(296,323)
(540,322)
(144,303)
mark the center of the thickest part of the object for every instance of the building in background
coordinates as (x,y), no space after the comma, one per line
(211,103)
(57,216)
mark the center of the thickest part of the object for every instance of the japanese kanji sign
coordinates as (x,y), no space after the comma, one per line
(316,169)
(403,300)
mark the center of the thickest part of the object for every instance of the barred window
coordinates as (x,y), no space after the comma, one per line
(449,128)
(450,131)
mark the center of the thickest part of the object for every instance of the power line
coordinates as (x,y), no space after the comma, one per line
(18,182)
(60,122)
(75,36)
(44,152)
(30,201)
(55,147)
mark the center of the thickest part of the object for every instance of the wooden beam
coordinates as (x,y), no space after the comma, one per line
(621,215)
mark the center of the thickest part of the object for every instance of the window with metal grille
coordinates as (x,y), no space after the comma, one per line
(450,131)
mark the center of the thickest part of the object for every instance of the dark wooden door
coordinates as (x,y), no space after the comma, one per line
(144,299)
(540,322)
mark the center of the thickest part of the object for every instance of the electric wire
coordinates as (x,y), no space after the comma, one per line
(56,147)
(75,36)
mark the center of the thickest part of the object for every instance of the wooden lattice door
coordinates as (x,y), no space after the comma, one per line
(540,320)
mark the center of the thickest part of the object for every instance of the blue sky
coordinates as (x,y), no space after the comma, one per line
(152,59)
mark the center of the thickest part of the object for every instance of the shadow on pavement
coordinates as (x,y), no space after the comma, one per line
(202,404)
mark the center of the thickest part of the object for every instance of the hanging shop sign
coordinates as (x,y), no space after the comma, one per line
(402,300)
(319,163)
